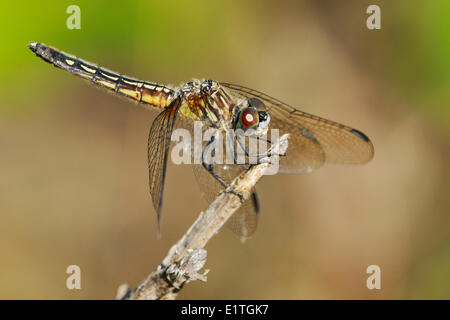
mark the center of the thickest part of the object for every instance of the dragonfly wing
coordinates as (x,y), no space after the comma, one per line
(158,151)
(340,143)
(304,153)
(245,220)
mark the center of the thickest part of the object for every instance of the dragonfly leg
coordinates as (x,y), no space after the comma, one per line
(260,138)
(209,166)
(260,155)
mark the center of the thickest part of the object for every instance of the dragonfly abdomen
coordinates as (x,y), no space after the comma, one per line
(141,91)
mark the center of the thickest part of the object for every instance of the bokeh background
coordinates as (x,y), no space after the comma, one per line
(73,170)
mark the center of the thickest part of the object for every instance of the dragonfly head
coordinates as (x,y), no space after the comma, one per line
(253,115)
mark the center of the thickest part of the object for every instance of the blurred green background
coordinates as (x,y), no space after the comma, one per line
(73,170)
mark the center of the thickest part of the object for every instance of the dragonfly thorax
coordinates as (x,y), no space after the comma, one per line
(207,101)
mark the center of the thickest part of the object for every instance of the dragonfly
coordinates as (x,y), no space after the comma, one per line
(222,106)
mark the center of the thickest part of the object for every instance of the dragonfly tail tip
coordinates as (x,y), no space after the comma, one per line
(32,46)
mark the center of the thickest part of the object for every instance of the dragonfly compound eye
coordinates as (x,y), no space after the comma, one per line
(257,104)
(248,118)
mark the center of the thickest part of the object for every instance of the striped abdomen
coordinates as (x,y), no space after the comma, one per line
(141,91)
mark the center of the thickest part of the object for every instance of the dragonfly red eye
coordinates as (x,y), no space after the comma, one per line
(249,118)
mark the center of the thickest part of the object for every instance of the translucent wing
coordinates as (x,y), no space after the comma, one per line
(339,143)
(158,151)
(304,153)
(245,220)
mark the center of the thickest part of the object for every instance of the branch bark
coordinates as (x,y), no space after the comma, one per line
(185,259)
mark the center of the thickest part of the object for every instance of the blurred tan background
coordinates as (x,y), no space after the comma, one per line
(73,170)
